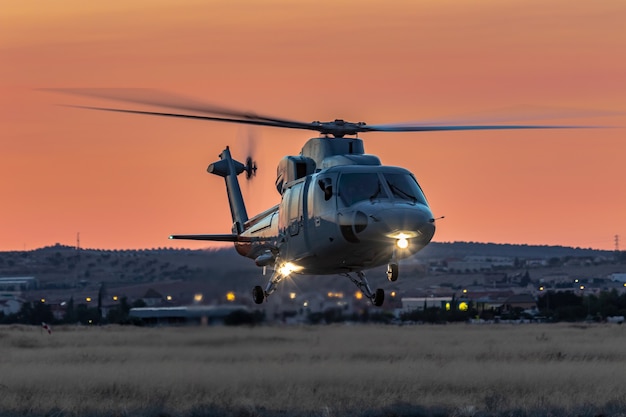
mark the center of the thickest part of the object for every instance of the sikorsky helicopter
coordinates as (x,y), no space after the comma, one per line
(341,211)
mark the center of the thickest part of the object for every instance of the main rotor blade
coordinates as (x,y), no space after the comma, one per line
(424,128)
(196,117)
(164,99)
(515,115)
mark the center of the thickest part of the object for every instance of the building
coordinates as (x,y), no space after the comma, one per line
(18,284)
(197,314)
(619,277)
(410,304)
(520,301)
(10,306)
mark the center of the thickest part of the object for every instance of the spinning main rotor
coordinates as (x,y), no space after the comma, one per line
(337,128)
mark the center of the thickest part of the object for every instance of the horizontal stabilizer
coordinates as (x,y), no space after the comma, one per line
(221,238)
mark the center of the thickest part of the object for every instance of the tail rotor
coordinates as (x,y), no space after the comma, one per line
(249,146)
(250,168)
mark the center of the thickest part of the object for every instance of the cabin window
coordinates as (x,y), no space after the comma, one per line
(358,187)
(405,187)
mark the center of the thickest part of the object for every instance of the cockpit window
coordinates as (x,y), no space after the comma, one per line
(358,187)
(405,187)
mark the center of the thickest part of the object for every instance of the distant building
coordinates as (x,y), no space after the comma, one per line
(523,301)
(152,298)
(10,306)
(619,277)
(421,303)
(196,314)
(480,263)
(18,284)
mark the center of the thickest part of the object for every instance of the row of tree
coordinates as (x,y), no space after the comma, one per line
(37,312)
(554,306)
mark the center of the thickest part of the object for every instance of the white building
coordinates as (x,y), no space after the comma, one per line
(10,306)
(619,277)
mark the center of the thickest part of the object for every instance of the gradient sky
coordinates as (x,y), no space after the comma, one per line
(128,181)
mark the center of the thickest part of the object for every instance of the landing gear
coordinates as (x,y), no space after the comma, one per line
(392,267)
(377,298)
(258,295)
(392,272)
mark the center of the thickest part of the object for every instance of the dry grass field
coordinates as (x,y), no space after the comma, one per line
(455,370)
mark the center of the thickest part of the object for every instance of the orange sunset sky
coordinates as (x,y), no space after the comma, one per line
(128,181)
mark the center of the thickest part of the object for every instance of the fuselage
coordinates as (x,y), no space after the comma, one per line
(342,219)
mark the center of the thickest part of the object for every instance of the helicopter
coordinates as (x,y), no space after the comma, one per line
(341,211)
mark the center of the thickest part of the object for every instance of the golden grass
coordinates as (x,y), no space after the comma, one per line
(317,370)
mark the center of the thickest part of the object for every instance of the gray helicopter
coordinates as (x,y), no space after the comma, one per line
(341,211)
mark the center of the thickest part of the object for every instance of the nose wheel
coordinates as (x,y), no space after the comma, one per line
(392,272)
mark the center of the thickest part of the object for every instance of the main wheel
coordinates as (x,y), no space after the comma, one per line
(379,297)
(258,295)
(392,272)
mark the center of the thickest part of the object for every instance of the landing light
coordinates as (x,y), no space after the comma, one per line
(402,238)
(288,268)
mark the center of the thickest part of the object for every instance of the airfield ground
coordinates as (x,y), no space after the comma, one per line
(446,370)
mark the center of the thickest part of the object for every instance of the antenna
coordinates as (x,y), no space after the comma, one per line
(616,243)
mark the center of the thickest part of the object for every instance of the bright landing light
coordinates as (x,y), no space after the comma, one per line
(287,268)
(402,238)
(402,243)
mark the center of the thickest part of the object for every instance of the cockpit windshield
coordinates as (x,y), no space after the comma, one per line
(355,187)
(405,187)
(358,187)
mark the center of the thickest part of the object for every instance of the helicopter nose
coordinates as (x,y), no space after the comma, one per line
(415,223)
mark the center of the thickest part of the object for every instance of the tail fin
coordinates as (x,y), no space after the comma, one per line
(228,168)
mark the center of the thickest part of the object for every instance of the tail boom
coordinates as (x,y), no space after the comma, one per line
(228,168)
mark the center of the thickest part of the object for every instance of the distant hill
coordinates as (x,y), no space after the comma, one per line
(462,249)
(64,270)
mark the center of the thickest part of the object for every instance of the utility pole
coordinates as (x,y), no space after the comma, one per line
(76,269)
